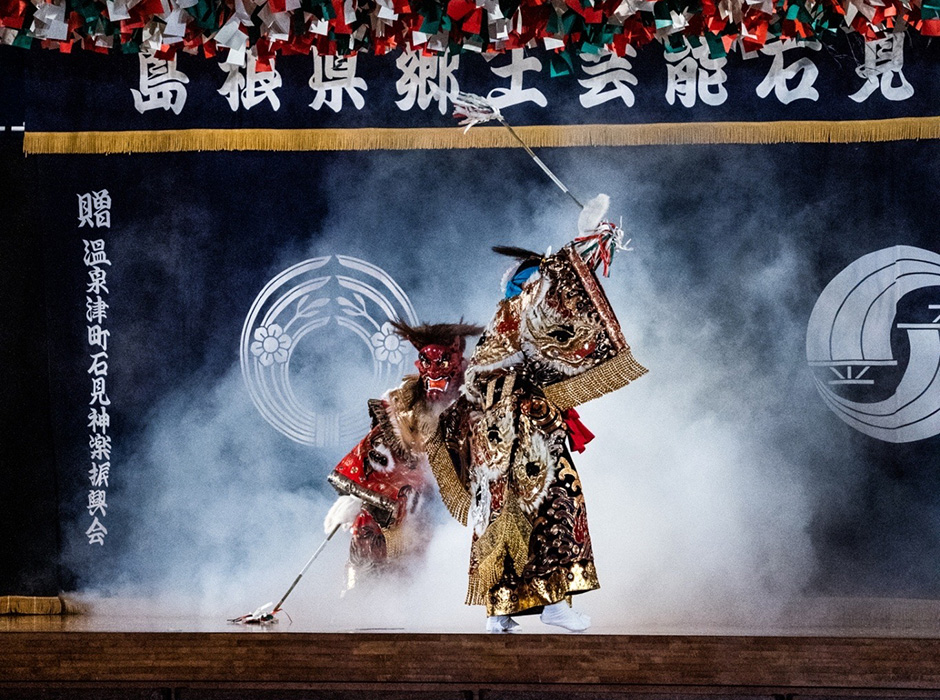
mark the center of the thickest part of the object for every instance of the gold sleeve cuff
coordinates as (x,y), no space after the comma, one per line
(595,382)
(454,494)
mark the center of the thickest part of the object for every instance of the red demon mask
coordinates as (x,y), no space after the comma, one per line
(441,368)
(440,349)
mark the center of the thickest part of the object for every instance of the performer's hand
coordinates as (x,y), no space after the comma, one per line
(342,513)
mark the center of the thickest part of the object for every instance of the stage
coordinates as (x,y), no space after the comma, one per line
(892,651)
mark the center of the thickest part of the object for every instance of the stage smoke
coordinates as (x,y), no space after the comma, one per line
(709,477)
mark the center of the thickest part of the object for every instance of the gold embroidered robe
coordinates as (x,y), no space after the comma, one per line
(500,457)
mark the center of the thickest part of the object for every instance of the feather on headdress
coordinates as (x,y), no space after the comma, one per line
(521,254)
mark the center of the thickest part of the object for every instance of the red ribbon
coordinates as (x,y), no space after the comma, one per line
(603,254)
(578,434)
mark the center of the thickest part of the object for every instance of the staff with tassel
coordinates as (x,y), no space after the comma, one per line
(601,239)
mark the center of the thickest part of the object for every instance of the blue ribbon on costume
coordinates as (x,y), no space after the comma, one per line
(520,276)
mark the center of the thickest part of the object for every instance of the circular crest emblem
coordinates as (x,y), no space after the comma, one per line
(318,301)
(867,310)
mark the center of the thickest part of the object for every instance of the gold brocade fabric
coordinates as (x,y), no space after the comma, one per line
(509,535)
(556,559)
(396,543)
(495,347)
(531,596)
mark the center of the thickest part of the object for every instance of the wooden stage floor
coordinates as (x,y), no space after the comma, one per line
(884,655)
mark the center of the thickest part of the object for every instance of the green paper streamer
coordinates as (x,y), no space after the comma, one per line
(819,20)
(23,39)
(204,15)
(568,20)
(560,64)
(675,43)
(554,23)
(431,15)
(716,48)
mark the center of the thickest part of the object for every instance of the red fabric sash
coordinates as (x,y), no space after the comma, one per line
(578,434)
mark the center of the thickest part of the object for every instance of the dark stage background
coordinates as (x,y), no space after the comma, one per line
(721,480)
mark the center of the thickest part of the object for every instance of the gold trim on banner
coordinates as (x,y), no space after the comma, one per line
(31,605)
(369,139)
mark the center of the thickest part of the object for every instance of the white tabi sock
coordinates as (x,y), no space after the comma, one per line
(501,623)
(560,614)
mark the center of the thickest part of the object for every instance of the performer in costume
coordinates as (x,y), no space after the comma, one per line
(384,479)
(501,458)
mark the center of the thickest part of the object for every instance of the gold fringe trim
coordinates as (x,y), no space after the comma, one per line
(477,591)
(455,495)
(508,534)
(597,381)
(395,545)
(487,573)
(31,605)
(368,139)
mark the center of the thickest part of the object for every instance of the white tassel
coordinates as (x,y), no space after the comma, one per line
(593,214)
(473,109)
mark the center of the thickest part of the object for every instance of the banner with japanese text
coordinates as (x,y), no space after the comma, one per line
(845,91)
